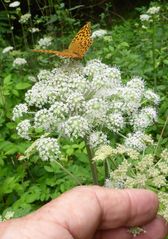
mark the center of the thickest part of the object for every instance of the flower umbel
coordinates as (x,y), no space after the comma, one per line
(19,61)
(88,102)
(48,148)
(7,49)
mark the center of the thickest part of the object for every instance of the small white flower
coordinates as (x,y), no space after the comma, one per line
(43,119)
(34,29)
(131,99)
(115,121)
(108,183)
(40,94)
(153,10)
(99,33)
(59,111)
(150,112)
(48,148)
(144,27)
(145,118)
(32,78)
(152,97)
(137,140)
(98,138)
(19,111)
(19,61)
(96,110)
(14,4)
(45,42)
(137,83)
(7,49)
(24,18)
(75,127)
(44,75)
(23,129)
(145,17)
(93,67)
(75,102)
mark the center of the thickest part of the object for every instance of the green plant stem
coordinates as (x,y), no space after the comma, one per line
(31,23)
(24,37)
(106,168)
(153,54)
(50,3)
(161,134)
(92,163)
(69,173)
(41,10)
(3,100)
(10,24)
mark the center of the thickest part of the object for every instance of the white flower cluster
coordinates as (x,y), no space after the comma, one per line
(75,127)
(25,18)
(148,172)
(34,29)
(48,148)
(98,138)
(153,10)
(144,17)
(19,62)
(7,49)
(152,97)
(45,42)
(85,102)
(23,129)
(14,4)
(138,140)
(99,33)
(19,110)
(147,17)
(146,117)
(115,121)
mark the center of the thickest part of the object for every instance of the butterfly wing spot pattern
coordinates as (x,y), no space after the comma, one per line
(78,46)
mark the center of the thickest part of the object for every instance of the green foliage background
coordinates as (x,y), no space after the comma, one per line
(26,185)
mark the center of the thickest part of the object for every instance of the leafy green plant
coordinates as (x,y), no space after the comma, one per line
(28,183)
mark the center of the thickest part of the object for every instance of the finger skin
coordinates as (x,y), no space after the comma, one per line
(86,213)
(156,229)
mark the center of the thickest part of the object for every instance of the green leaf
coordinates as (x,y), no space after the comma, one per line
(22,85)
(48,169)
(7,80)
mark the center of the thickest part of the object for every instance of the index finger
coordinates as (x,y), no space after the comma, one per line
(126,207)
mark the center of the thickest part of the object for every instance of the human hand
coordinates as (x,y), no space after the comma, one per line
(91,212)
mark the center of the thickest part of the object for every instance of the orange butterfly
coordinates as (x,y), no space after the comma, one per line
(78,46)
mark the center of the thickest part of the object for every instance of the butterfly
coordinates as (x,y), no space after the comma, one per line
(78,46)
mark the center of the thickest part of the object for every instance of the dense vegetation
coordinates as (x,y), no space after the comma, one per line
(133,45)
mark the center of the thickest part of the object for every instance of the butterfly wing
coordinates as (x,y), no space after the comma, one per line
(82,41)
(78,46)
(65,53)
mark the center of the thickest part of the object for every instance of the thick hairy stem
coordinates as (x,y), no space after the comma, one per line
(92,163)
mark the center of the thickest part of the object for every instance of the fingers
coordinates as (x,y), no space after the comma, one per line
(126,207)
(84,210)
(156,229)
